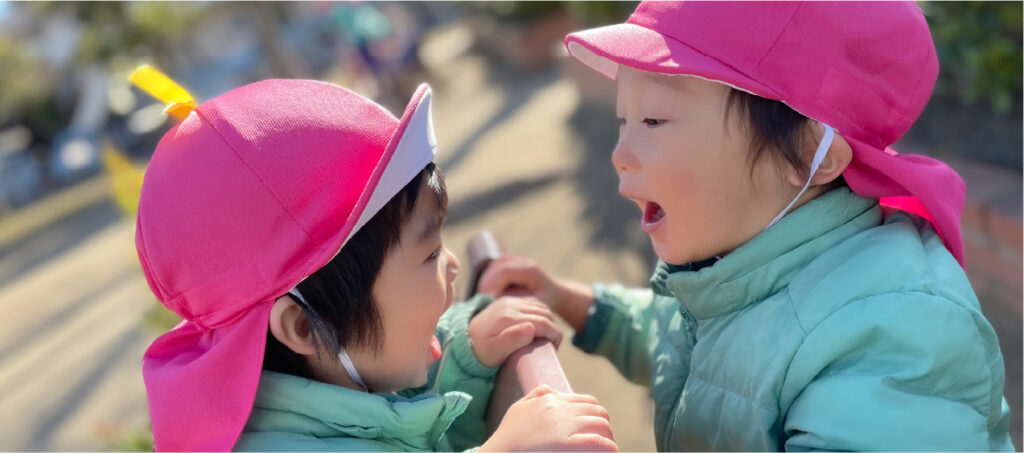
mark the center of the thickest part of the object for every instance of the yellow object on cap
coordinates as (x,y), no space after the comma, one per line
(179,102)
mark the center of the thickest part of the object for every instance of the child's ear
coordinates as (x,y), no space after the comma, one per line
(832,166)
(288,324)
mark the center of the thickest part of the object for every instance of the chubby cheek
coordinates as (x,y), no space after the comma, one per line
(674,248)
(409,310)
(405,357)
(427,300)
(411,369)
(694,230)
(692,213)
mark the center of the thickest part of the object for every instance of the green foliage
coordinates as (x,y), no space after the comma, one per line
(115,28)
(979,49)
(123,438)
(586,13)
(23,78)
(519,12)
(158,319)
(594,14)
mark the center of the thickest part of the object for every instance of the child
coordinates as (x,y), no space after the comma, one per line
(844,325)
(296,227)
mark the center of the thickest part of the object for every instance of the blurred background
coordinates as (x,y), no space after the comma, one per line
(525,138)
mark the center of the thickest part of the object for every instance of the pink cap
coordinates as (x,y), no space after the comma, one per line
(865,68)
(254,191)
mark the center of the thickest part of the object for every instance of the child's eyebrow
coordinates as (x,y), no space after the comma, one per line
(431,227)
(669,81)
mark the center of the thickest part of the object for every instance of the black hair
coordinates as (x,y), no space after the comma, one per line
(341,311)
(774,128)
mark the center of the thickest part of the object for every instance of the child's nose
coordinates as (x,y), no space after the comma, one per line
(453,264)
(623,158)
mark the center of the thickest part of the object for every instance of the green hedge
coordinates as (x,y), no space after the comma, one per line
(979,48)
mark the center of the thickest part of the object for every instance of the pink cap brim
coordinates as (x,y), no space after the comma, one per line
(605,48)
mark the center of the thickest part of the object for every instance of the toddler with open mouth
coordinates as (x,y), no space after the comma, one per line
(810,293)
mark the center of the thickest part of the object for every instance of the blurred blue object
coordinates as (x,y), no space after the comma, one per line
(74,155)
(21,178)
(21,175)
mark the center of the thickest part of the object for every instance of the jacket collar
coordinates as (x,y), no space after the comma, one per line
(765,264)
(291,403)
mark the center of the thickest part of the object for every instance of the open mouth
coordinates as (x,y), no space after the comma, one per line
(653,215)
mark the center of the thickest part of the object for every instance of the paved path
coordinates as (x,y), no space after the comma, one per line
(72,336)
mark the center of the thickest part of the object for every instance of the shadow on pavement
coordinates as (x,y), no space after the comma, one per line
(497,197)
(26,254)
(521,87)
(78,395)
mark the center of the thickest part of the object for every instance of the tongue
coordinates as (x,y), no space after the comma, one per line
(653,212)
(435,347)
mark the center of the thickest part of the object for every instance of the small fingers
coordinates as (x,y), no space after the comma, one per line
(543,327)
(594,410)
(595,425)
(591,442)
(515,337)
(546,328)
(539,391)
(536,307)
(581,398)
(505,272)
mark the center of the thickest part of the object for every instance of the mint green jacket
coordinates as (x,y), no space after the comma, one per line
(297,414)
(836,329)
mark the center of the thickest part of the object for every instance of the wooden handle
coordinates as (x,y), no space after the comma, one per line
(482,248)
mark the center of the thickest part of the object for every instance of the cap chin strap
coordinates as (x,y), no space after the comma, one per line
(350,368)
(346,361)
(819,156)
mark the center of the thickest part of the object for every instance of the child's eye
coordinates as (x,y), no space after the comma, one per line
(622,122)
(650,122)
(434,255)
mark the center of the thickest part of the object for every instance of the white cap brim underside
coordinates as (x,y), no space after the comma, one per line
(416,148)
(610,69)
(600,64)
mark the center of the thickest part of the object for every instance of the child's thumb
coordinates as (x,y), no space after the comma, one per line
(540,390)
(499,276)
(517,336)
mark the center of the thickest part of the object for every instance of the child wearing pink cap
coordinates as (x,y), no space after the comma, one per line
(810,293)
(296,227)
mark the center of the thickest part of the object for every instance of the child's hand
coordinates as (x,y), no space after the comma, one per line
(508,324)
(523,276)
(545,420)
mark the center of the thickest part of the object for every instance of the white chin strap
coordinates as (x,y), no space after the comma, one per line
(346,361)
(819,155)
(350,368)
